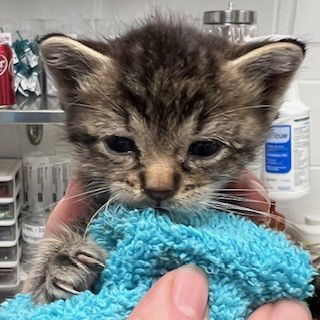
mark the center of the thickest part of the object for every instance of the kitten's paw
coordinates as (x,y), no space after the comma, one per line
(64,266)
(73,270)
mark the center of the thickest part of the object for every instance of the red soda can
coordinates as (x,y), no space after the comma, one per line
(7,96)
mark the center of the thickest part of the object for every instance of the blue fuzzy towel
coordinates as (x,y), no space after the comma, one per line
(247,265)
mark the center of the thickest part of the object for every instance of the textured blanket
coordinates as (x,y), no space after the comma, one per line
(247,265)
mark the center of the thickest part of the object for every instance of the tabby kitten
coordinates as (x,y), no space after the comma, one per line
(163,116)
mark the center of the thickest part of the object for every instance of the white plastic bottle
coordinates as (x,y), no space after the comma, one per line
(308,233)
(286,154)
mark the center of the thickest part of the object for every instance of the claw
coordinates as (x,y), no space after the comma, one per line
(67,287)
(90,262)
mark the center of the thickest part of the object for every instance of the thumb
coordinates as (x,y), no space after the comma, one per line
(181,294)
(71,208)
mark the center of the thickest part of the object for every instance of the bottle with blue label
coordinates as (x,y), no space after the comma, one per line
(286,151)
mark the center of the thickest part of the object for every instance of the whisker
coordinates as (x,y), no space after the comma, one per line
(235,189)
(86,193)
(251,213)
(92,195)
(240,199)
(111,199)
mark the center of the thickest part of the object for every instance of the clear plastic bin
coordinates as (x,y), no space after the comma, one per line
(6,211)
(9,277)
(10,211)
(10,178)
(6,189)
(7,233)
(9,254)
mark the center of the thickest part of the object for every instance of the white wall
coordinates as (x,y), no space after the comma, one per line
(306,24)
(298,17)
(78,16)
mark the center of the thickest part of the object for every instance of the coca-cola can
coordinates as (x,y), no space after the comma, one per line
(7,96)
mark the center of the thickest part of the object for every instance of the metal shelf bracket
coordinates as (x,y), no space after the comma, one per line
(35,133)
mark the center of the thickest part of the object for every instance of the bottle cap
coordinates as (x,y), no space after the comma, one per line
(312,219)
(292,105)
(230,16)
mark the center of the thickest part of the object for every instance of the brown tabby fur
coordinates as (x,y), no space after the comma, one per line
(164,85)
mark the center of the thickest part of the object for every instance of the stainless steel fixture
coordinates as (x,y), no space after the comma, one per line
(234,25)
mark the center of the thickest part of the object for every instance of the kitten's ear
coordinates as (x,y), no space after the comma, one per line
(268,67)
(70,62)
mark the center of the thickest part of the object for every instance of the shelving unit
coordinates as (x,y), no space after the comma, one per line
(10,207)
(37,111)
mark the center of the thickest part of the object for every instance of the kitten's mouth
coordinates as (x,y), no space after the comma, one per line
(158,205)
(162,206)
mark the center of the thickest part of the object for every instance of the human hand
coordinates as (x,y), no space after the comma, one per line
(72,207)
(182,294)
(252,200)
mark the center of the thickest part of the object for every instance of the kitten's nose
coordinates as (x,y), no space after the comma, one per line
(159,195)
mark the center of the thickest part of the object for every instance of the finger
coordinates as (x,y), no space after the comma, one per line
(255,196)
(69,209)
(181,294)
(257,199)
(255,189)
(282,310)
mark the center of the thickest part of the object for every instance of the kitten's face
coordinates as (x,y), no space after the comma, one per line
(166,116)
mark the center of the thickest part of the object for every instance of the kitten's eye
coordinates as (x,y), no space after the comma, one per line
(204,148)
(120,144)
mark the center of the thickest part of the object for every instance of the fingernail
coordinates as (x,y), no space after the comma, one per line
(190,292)
(260,189)
(206,317)
(289,309)
(255,185)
